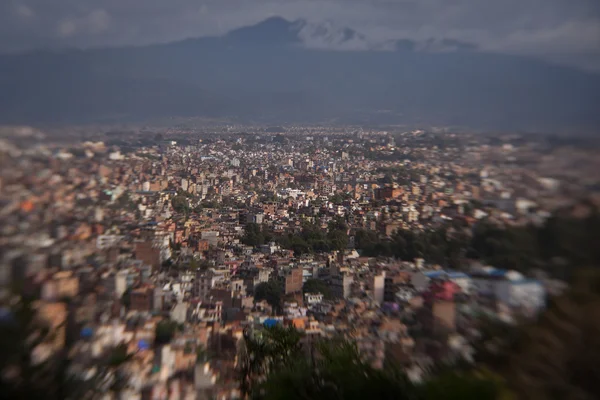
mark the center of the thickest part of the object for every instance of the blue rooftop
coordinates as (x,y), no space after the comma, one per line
(143,345)
(269,323)
(87,332)
(498,272)
(449,274)
(526,282)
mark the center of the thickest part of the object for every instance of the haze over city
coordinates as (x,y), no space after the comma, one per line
(498,66)
(299,199)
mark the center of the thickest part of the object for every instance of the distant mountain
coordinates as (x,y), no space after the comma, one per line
(293,71)
(274,30)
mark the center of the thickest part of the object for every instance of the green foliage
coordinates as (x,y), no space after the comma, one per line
(314,239)
(125,202)
(209,204)
(202,354)
(336,371)
(253,235)
(270,349)
(126,298)
(563,236)
(496,342)
(271,291)
(339,198)
(460,385)
(521,248)
(164,332)
(445,246)
(557,357)
(119,356)
(180,203)
(505,247)
(317,286)
(574,240)
(273,367)
(21,376)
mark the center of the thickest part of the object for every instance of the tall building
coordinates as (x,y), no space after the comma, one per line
(293,281)
(379,287)
(341,285)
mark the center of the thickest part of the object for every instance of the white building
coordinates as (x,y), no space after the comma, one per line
(104,242)
(341,285)
(420,279)
(211,236)
(313,298)
(124,279)
(379,287)
(510,288)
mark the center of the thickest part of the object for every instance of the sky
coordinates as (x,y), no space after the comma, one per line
(565,31)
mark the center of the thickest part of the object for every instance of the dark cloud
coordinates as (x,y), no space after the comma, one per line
(563,30)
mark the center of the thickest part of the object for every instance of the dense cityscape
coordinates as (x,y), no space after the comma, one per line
(157,263)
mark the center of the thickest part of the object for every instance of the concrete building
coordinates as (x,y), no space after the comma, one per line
(313,298)
(510,288)
(421,279)
(379,288)
(142,299)
(293,281)
(124,279)
(341,285)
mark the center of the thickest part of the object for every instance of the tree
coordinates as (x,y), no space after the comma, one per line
(365,239)
(126,298)
(164,331)
(338,240)
(273,366)
(180,203)
(462,385)
(558,356)
(253,235)
(317,286)
(336,199)
(119,355)
(202,354)
(24,377)
(505,247)
(336,371)
(271,291)
(262,352)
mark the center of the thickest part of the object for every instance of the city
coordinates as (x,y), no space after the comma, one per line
(158,257)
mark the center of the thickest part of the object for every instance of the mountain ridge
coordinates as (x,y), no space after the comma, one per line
(266,72)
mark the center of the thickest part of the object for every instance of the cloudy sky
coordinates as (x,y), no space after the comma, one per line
(567,31)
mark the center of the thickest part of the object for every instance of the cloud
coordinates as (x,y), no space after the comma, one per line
(67,28)
(541,28)
(23,11)
(97,21)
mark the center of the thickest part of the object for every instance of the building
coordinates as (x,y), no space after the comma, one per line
(443,315)
(293,281)
(148,253)
(341,285)
(104,242)
(203,245)
(54,314)
(205,282)
(142,299)
(124,279)
(510,288)
(313,298)
(63,284)
(379,288)
(420,280)
(211,236)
